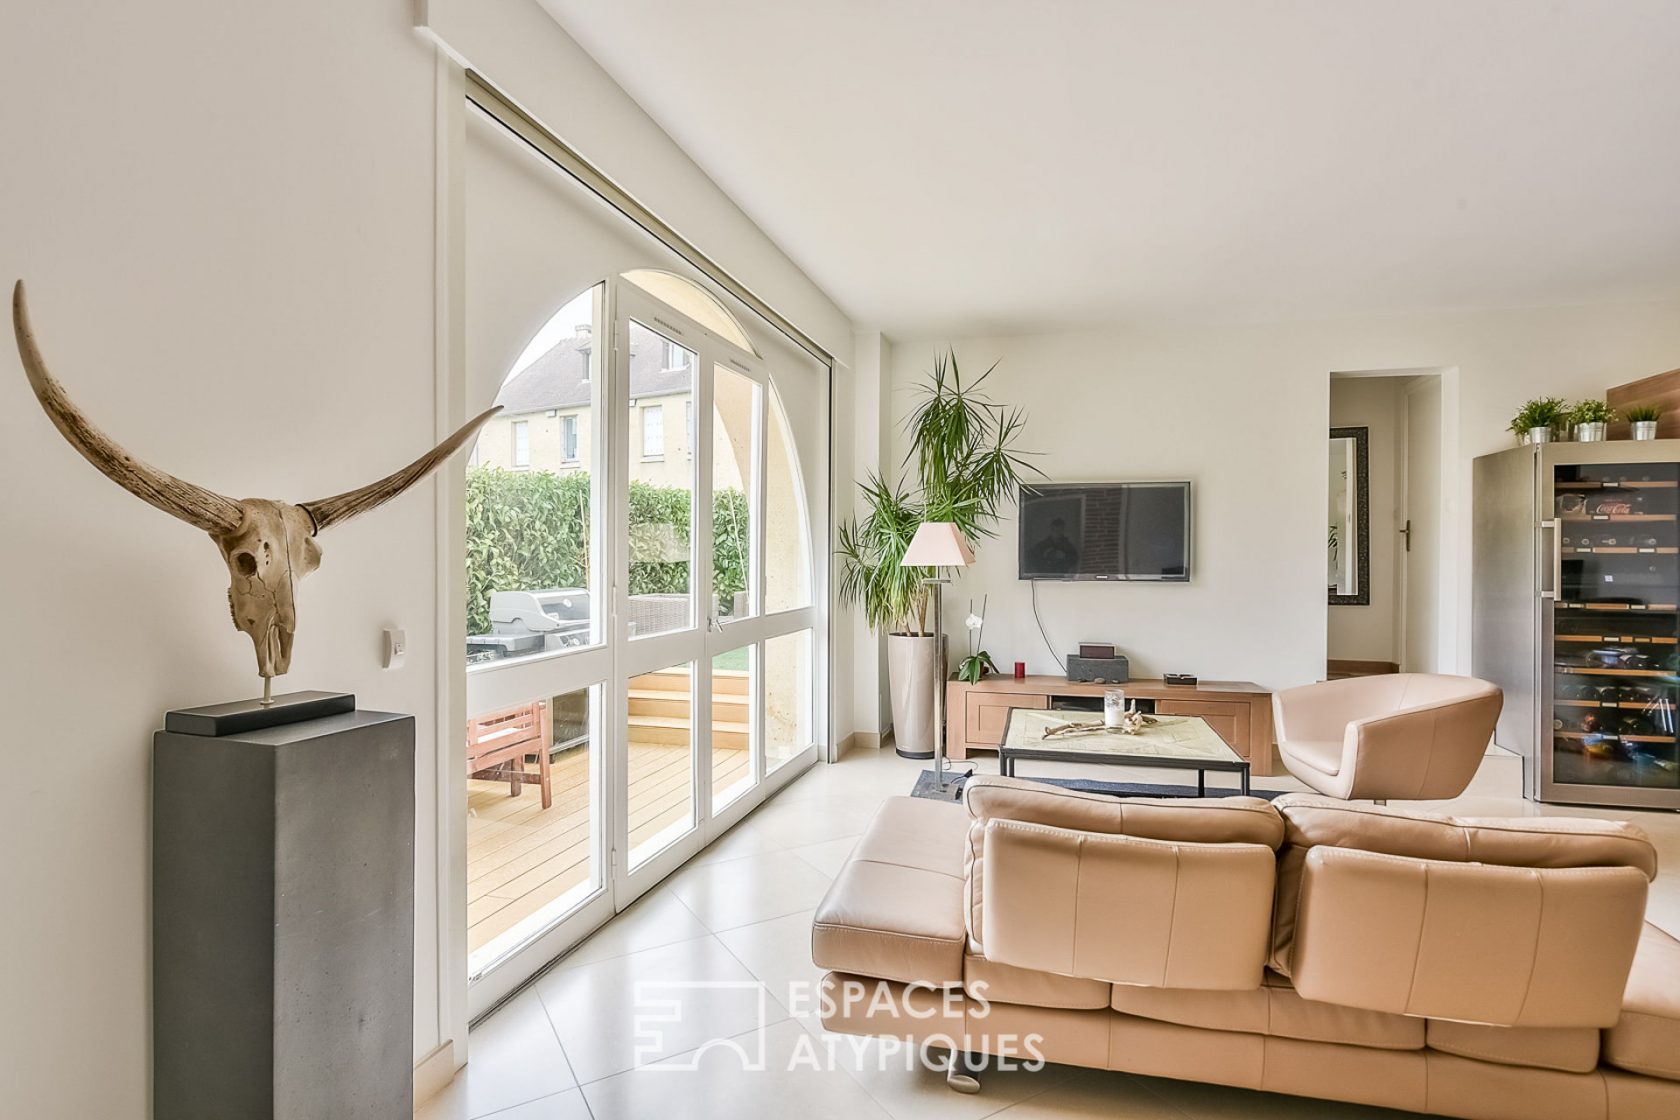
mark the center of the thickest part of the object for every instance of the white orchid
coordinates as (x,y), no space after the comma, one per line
(978,662)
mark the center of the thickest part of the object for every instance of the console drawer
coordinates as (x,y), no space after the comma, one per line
(986,714)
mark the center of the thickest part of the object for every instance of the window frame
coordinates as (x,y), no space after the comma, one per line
(648,412)
(569,438)
(520,434)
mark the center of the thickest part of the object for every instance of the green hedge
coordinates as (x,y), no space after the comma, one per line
(530,529)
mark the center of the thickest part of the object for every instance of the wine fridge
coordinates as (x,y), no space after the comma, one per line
(1576,615)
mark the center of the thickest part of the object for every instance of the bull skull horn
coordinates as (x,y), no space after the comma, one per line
(216,514)
(268,546)
(342,507)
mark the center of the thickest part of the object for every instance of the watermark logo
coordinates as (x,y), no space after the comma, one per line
(662,1005)
(897,1026)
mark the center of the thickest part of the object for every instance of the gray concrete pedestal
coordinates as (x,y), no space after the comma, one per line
(283,913)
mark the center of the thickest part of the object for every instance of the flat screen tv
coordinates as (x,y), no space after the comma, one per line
(1105,531)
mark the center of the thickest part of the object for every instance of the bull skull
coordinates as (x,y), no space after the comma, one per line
(268,545)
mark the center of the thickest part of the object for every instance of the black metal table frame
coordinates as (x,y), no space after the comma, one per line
(1008,756)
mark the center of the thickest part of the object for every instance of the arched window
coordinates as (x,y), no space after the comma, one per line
(694,301)
(640,632)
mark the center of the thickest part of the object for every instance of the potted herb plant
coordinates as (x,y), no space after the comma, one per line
(1538,420)
(1642,419)
(963,467)
(1590,420)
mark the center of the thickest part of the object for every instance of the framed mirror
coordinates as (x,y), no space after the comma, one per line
(1350,518)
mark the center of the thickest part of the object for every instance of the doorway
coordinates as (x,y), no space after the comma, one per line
(1385,537)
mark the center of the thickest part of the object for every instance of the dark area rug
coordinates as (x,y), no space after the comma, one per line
(925,787)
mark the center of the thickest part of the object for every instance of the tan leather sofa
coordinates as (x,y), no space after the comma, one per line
(1487,969)
(1405,736)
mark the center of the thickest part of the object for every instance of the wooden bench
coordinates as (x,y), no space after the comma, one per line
(498,743)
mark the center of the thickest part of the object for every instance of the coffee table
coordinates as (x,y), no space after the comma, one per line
(1176,742)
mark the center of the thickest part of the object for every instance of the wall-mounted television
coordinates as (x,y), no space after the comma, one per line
(1105,531)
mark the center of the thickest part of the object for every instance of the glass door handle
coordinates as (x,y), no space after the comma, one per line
(1549,559)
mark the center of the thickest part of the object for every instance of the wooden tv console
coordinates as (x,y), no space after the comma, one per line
(1239,711)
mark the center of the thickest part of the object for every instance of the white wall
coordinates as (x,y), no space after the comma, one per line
(1242,411)
(1368,633)
(869,443)
(226,214)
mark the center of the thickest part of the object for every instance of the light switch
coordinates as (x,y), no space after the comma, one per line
(396,646)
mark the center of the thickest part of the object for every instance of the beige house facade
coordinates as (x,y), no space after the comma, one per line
(548,418)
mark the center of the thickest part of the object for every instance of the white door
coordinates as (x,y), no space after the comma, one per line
(1421,523)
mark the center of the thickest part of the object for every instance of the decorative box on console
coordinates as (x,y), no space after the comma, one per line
(1115,669)
(283,912)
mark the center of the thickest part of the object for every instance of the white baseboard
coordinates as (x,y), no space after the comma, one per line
(433,1072)
(858,740)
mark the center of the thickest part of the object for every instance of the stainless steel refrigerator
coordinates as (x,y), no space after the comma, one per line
(1577,616)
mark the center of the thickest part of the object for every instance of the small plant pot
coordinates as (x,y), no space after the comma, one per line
(1644,429)
(1538,435)
(1590,433)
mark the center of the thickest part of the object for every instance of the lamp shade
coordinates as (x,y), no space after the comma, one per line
(938,544)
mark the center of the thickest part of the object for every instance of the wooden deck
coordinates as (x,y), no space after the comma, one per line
(521,857)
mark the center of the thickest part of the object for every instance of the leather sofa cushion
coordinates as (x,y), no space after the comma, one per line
(1323,755)
(1274,1009)
(915,832)
(1509,946)
(990,982)
(1545,842)
(1227,820)
(1126,909)
(1646,1039)
(895,911)
(869,1005)
(1569,1049)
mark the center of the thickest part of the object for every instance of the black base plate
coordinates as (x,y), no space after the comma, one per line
(252,715)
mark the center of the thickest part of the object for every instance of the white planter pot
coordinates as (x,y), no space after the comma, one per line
(1644,429)
(913,670)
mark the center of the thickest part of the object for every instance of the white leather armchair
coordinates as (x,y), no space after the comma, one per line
(1411,736)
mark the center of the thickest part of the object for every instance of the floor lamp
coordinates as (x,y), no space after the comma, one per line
(936,545)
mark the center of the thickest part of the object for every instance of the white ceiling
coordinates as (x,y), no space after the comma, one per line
(955,166)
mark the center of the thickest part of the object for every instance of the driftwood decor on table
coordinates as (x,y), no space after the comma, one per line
(1131,723)
(268,545)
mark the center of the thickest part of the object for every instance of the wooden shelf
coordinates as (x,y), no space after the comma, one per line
(1631,484)
(1585,672)
(1637,607)
(1620,550)
(1608,518)
(1608,735)
(1621,639)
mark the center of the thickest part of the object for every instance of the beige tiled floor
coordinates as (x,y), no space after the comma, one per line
(736,920)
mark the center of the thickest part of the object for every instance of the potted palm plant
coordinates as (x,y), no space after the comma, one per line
(962,466)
